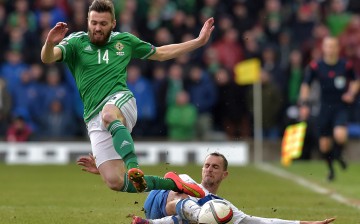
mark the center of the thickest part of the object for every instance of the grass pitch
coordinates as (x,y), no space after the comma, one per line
(66,195)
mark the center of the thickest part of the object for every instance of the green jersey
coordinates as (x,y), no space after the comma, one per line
(100,71)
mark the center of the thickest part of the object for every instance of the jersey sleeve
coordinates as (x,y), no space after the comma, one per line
(140,48)
(66,46)
(310,72)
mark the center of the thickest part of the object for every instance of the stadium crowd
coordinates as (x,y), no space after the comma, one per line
(191,97)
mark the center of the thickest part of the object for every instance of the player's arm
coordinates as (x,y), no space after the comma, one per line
(50,53)
(170,51)
(304,93)
(310,73)
(353,89)
(259,220)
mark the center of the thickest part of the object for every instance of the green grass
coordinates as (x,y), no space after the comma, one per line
(347,181)
(64,194)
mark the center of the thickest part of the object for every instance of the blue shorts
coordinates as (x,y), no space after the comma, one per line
(207,198)
(155,204)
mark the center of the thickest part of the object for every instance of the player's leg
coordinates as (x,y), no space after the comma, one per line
(340,139)
(110,164)
(325,141)
(112,173)
(119,117)
(160,207)
(115,122)
(107,161)
(325,144)
(340,135)
(172,199)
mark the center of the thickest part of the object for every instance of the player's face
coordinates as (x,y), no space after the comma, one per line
(330,47)
(100,25)
(213,171)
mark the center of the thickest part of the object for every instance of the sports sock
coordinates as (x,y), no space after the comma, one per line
(328,157)
(338,149)
(123,144)
(153,183)
(338,154)
(188,209)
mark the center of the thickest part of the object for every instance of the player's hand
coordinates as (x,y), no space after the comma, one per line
(304,112)
(326,221)
(348,97)
(57,33)
(88,164)
(206,31)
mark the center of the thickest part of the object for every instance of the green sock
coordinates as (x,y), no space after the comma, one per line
(153,183)
(123,144)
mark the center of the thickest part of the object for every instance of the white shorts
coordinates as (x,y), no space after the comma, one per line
(100,138)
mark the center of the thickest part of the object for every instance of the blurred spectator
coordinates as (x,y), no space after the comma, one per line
(304,22)
(178,26)
(228,49)
(175,83)
(56,89)
(2,29)
(251,45)
(12,68)
(272,19)
(160,86)
(312,49)
(28,96)
(18,130)
(203,95)
(230,110)
(5,107)
(56,123)
(350,42)
(22,14)
(337,18)
(272,67)
(284,49)
(145,100)
(181,119)
(48,14)
(244,21)
(294,76)
(271,104)
(78,20)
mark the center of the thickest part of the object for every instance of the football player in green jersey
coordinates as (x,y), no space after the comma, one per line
(98,61)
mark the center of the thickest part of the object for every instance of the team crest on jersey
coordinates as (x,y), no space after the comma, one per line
(119,46)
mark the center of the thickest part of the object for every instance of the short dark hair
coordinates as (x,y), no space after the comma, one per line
(223,157)
(103,6)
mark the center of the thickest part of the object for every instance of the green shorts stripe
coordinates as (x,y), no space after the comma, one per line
(122,100)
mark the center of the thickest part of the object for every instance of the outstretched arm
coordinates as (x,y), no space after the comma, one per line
(50,53)
(259,220)
(171,51)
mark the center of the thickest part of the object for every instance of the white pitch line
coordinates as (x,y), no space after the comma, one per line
(307,184)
